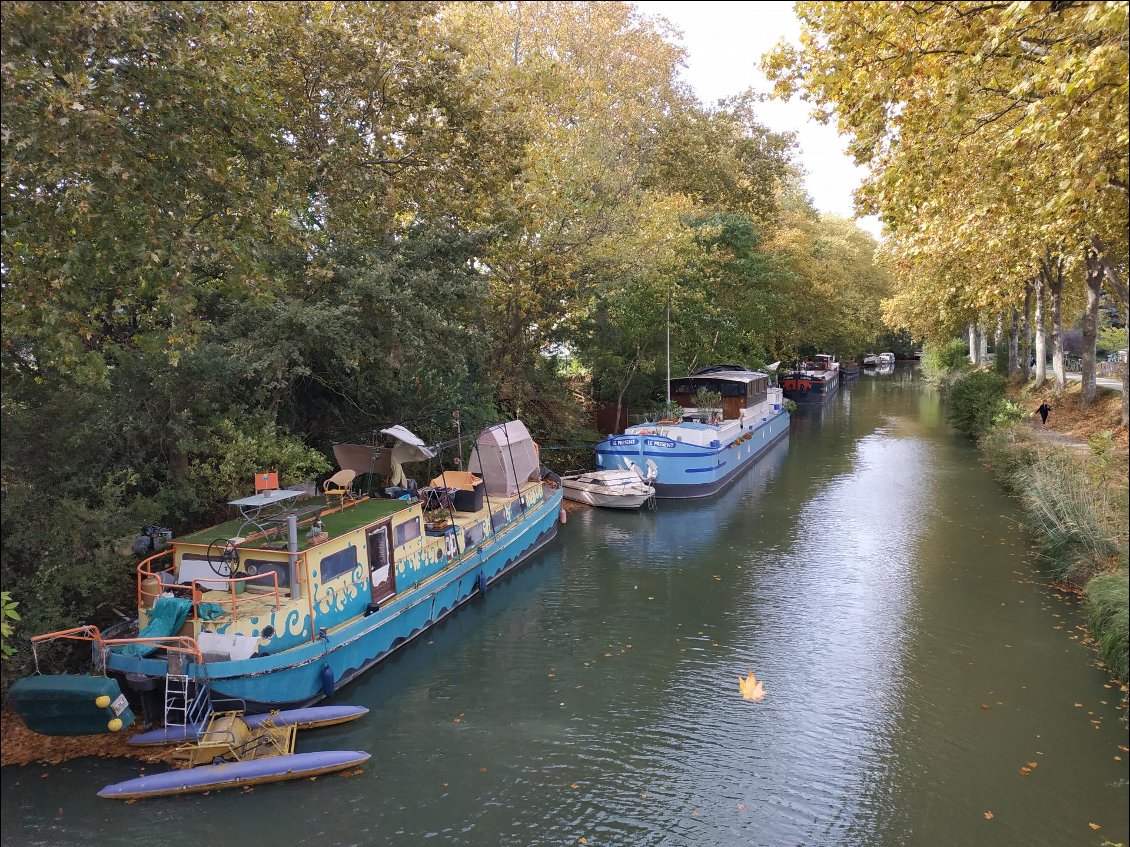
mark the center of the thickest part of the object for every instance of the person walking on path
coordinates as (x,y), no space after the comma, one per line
(1042,411)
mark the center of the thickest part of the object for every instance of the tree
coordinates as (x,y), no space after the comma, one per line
(966,115)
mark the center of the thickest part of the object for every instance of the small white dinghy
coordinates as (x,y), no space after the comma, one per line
(613,489)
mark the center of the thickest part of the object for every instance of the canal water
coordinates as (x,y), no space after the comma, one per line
(923,687)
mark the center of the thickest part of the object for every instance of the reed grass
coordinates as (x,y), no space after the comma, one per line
(1070,503)
(1108,615)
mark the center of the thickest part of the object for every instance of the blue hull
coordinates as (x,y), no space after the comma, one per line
(231,774)
(687,470)
(297,677)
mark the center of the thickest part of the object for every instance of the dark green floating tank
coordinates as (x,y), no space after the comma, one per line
(67,704)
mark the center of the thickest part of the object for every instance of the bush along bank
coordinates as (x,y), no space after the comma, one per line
(1074,494)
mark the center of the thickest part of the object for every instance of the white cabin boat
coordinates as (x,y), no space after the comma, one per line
(613,489)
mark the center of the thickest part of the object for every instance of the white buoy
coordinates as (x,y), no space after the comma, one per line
(561,517)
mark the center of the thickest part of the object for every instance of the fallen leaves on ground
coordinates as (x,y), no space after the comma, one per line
(24,747)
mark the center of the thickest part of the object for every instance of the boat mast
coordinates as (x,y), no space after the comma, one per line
(668,345)
(458,436)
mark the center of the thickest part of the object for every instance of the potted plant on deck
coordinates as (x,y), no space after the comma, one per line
(435,519)
(710,403)
(669,412)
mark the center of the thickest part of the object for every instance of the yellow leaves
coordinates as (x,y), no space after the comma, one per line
(1094,825)
(751,688)
(988,816)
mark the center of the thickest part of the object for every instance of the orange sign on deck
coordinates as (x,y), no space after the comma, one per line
(266,482)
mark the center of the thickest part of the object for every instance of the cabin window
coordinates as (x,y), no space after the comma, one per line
(335,564)
(405,532)
(262,569)
(498,519)
(473,535)
(758,391)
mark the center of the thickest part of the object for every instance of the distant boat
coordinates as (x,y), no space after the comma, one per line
(812,381)
(699,452)
(626,489)
(885,359)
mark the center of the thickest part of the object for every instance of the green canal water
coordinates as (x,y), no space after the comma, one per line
(869,570)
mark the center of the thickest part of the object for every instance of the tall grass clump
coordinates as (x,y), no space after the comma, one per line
(1108,614)
(975,400)
(1009,449)
(1072,504)
(940,360)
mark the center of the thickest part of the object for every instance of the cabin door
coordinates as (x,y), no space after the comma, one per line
(382,576)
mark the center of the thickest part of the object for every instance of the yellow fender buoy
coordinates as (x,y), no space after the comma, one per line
(102,701)
(114,725)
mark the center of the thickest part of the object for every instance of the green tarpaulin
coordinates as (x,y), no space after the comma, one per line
(165,619)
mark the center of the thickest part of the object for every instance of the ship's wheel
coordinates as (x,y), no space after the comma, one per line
(223,557)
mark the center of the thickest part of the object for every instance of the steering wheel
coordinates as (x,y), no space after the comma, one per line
(223,557)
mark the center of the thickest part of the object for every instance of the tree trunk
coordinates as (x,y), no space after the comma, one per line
(1014,345)
(624,386)
(1125,374)
(1041,342)
(1118,284)
(1055,290)
(1091,326)
(982,345)
(1026,332)
(973,345)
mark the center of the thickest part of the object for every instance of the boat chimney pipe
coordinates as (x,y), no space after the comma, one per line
(292,548)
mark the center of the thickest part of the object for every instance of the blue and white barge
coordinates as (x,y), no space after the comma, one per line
(703,450)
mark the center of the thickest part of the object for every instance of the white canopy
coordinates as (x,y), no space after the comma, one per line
(505,456)
(408,448)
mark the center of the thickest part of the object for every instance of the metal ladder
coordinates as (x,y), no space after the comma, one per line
(187,702)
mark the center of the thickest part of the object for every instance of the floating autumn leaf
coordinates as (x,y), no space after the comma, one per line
(1094,825)
(1025,771)
(751,688)
(988,816)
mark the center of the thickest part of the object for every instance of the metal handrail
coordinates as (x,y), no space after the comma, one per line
(231,581)
(171,643)
(144,569)
(89,633)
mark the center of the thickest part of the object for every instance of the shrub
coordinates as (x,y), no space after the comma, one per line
(974,401)
(7,613)
(938,360)
(1009,412)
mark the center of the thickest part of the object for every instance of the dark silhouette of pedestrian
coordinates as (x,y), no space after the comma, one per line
(1042,411)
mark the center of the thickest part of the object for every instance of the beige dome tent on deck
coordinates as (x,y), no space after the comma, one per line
(505,456)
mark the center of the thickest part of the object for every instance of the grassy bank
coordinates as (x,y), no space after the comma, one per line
(1070,477)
